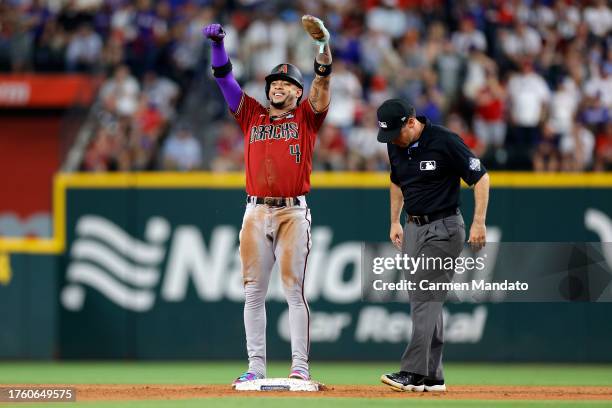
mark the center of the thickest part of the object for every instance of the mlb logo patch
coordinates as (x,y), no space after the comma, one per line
(428,165)
(474,164)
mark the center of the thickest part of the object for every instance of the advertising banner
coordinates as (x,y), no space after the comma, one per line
(154,273)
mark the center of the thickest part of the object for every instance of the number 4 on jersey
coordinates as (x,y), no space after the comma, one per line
(294,150)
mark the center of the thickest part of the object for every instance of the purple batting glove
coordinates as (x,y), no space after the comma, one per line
(214,32)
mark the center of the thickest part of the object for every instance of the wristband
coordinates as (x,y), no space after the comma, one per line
(322,69)
(223,70)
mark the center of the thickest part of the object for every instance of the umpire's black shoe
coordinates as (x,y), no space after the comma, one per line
(404,381)
(432,385)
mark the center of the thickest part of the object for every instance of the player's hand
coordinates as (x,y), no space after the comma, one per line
(214,32)
(397,235)
(315,28)
(478,236)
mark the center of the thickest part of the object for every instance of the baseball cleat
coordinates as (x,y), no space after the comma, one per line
(248,376)
(300,375)
(404,381)
(432,385)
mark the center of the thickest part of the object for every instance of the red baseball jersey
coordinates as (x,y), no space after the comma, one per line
(278,150)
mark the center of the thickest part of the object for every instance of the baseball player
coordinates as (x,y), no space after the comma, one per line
(279,143)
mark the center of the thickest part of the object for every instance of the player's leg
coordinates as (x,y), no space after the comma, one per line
(292,245)
(257,260)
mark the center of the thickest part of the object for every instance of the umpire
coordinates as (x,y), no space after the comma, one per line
(427,163)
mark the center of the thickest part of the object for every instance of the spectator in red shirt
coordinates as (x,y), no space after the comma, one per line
(603,149)
(331,149)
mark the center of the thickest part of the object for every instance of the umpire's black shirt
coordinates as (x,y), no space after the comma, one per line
(428,170)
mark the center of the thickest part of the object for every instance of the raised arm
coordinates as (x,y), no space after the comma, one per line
(222,67)
(319,95)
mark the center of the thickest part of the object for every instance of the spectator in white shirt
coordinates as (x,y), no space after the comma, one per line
(520,42)
(387,18)
(182,151)
(84,50)
(577,148)
(347,92)
(599,18)
(563,106)
(468,37)
(265,43)
(529,97)
(120,93)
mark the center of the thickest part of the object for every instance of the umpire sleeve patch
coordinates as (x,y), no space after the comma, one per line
(474,164)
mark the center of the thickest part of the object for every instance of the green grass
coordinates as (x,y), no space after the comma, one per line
(330,373)
(320,403)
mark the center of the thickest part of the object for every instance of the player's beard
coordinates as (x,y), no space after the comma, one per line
(285,103)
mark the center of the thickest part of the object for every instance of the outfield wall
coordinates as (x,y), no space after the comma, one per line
(151,271)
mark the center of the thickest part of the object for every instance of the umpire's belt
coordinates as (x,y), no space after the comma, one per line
(426,219)
(274,201)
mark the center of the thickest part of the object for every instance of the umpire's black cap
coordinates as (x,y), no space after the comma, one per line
(392,116)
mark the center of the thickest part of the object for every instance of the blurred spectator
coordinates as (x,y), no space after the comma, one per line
(603,149)
(49,54)
(265,43)
(547,157)
(411,64)
(182,151)
(489,121)
(563,106)
(256,88)
(229,148)
(431,102)
(476,73)
(529,97)
(388,19)
(330,151)
(469,37)
(346,90)
(162,92)
(599,18)
(599,86)
(458,126)
(366,153)
(450,67)
(577,148)
(20,43)
(523,41)
(84,50)
(120,93)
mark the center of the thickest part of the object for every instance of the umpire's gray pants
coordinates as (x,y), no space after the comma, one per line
(441,238)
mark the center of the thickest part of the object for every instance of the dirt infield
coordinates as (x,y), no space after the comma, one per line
(87,392)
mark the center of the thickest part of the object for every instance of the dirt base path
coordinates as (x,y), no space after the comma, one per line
(86,392)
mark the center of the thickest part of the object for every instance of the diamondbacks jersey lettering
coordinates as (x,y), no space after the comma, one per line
(278,150)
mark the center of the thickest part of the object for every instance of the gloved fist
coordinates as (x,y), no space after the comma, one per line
(214,32)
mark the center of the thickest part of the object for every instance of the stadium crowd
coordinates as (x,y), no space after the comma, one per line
(526,83)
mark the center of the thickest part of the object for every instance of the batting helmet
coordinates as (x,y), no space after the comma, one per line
(285,72)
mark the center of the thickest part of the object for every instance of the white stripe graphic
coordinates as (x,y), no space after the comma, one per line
(87,250)
(115,237)
(90,275)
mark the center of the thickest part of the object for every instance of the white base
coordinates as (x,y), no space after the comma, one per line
(278,384)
